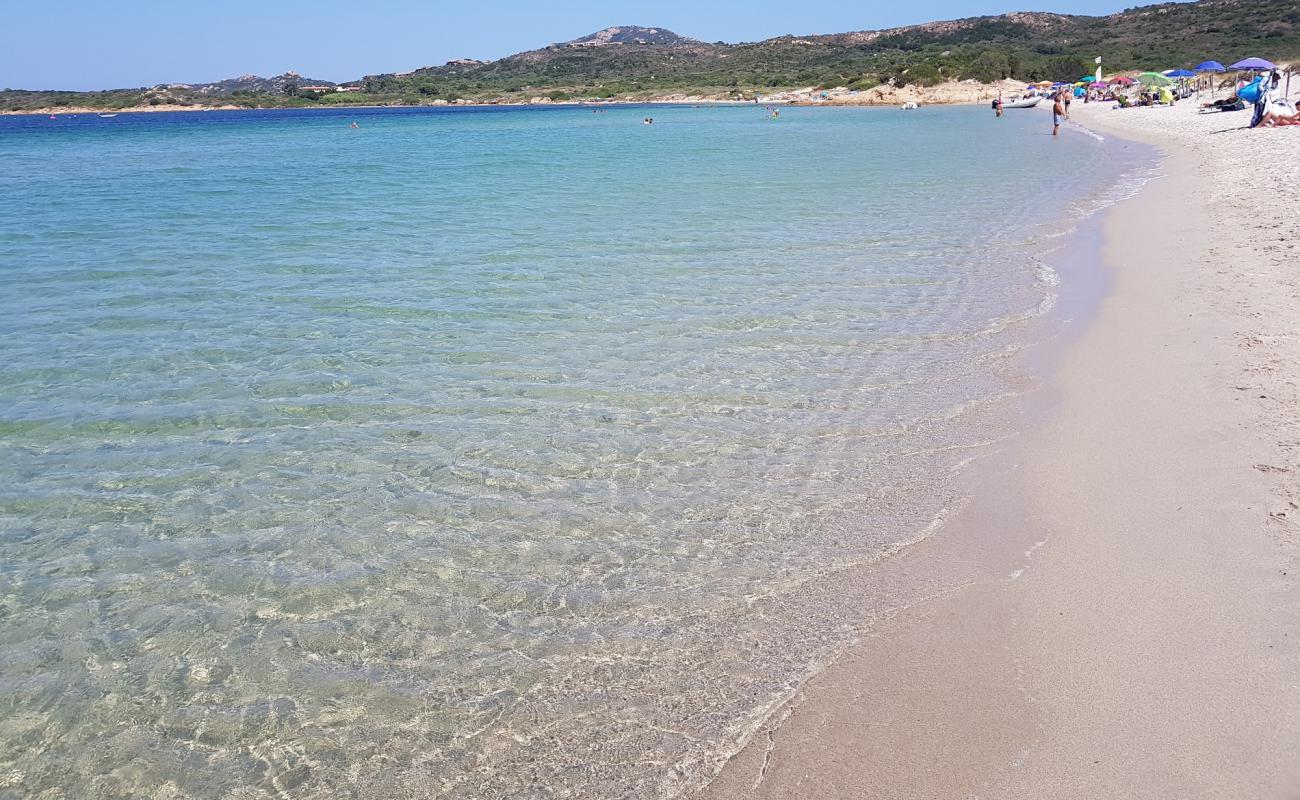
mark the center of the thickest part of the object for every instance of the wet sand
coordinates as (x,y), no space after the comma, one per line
(1128,622)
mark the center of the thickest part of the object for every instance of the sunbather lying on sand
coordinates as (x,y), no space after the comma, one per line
(1273,119)
(1232,103)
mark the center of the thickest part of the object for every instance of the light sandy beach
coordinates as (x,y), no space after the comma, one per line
(965,92)
(74,110)
(1129,620)
(948,93)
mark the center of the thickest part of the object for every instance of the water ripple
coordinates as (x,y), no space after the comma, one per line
(478,454)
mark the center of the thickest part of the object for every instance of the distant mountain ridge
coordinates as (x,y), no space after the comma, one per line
(628,34)
(255,83)
(1022,45)
(1039,20)
(635,62)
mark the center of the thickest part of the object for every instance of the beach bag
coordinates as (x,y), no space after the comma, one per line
(1252,91)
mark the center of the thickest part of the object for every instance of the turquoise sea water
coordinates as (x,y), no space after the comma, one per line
(480,453)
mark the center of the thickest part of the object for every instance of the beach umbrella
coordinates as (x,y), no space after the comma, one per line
(1153,79)
(1086,79)
(1098,85)
(1210,66)
(1122,80)
(1180,73)
(1252,63)
(1043,83)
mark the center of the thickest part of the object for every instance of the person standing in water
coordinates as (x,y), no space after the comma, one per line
(1058,113)
(997,105)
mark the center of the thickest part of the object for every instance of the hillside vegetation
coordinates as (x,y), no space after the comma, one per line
(640,63)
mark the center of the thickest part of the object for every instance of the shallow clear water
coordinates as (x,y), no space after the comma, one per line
(479,454)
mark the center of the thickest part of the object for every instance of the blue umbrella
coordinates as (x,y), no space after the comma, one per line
(1252,63)
(1179,73)
(1210,66)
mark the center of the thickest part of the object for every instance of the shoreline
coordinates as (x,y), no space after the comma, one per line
(1125,627)
(968,680)
(794,610)
(945,94)
(77,110)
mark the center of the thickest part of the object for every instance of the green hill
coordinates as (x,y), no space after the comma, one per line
(633,62)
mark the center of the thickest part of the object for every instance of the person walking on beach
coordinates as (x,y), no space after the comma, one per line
(1058,113)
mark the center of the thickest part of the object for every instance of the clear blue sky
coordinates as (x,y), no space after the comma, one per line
(99,44)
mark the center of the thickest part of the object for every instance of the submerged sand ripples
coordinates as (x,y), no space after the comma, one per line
(491,455)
